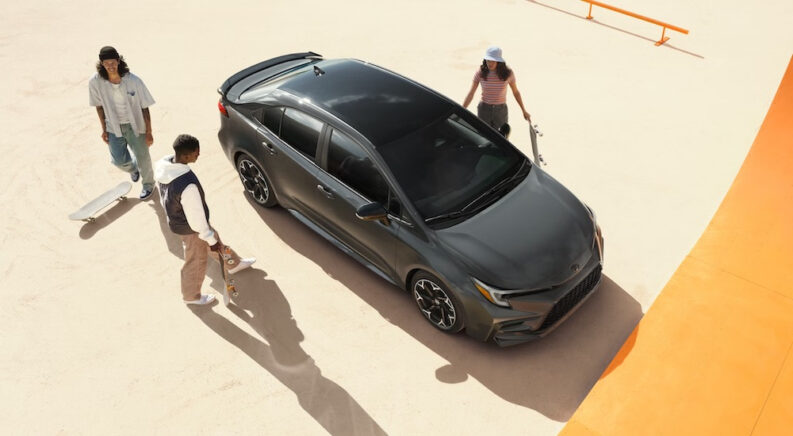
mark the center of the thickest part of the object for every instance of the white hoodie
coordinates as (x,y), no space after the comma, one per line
(165,171)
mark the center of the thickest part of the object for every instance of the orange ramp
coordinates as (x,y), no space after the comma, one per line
(714,353)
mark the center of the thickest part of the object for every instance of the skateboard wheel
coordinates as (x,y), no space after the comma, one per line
(235,294)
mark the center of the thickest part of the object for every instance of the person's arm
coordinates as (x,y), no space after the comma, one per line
(146,100)
(194,212)
(516,93)
(95,100)
(470,96)
(101,112)
(147,120)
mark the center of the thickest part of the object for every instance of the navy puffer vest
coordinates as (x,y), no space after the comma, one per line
(171,196)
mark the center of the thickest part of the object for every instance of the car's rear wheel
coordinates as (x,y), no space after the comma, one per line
(255,182)
(438,305)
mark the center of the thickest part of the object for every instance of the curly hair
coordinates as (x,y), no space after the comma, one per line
(185,144)
(123,68)
(502,70)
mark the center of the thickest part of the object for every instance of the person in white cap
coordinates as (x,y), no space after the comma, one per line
(494,76)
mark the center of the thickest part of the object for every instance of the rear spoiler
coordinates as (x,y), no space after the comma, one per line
(263,65)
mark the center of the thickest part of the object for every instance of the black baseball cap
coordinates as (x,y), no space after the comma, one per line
(108,52)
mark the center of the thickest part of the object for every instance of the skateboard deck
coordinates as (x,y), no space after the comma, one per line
(231,290)
(88,212)
(535,132)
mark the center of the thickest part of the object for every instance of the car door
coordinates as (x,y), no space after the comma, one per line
(290,158)
(348,181)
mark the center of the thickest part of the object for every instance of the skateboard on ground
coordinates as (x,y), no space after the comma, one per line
(88,212)
(535,132)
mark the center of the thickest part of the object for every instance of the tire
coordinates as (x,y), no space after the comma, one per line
(438,305)
(255,182)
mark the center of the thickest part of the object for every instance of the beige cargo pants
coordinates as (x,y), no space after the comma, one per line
(196,251)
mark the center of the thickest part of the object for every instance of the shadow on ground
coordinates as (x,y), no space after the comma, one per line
(551,375)
(89,229)
(593,20)
(277,349)
(172,241)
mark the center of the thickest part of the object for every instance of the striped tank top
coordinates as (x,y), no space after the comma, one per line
(494,90)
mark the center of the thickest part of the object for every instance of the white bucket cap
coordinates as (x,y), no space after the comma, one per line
(493,53)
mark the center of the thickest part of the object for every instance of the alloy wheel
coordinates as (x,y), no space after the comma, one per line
(435,304)
(254,181)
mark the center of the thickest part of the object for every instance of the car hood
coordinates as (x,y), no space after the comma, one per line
(529,239)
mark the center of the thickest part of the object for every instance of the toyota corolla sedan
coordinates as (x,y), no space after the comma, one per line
(417,189)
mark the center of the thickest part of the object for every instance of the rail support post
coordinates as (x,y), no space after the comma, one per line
(663,38)
(665,26)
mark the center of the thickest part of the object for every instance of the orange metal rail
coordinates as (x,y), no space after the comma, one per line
(665,26)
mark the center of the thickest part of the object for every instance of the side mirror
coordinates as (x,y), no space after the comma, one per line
(373,212)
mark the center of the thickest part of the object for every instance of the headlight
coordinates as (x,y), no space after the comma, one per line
(598,234)
(495,296)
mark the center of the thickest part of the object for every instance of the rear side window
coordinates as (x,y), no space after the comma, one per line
(301,131)
(271,118)
(348,162)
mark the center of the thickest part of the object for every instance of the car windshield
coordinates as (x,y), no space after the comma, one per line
(450,167)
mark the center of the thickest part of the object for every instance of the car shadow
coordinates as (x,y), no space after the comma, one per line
(89,229)
(262,305)
(551,375)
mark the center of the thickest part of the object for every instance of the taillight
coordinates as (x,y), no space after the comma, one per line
(222,109)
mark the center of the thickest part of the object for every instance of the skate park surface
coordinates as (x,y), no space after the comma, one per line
(96,339)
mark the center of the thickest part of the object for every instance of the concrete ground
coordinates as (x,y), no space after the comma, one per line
(95,338)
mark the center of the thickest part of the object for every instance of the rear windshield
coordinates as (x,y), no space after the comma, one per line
(258,90)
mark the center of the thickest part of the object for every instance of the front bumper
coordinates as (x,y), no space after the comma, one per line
(548,309)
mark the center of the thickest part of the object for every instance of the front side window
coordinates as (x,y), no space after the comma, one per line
(348,162)
(301,131)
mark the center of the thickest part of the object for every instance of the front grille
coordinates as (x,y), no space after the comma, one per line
(572,298)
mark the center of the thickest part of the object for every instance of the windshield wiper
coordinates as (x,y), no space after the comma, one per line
(448,216)
(468,210)
(497,187)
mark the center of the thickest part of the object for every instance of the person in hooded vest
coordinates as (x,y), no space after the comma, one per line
(184,202)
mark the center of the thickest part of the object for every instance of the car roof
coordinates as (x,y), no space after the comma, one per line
(380,104)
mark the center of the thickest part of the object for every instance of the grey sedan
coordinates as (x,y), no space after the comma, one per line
(417,189)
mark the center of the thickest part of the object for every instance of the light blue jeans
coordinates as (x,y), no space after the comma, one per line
(120,157)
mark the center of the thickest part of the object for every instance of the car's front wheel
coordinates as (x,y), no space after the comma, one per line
(438,305)
(255,182)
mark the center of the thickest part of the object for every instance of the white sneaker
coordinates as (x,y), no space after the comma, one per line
(205,299)
(244,263)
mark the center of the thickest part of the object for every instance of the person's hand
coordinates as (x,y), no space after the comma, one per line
(216,248)
(149,139)
(104,137)
(526,116)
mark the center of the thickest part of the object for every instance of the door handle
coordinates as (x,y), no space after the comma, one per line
(269,148)
(328,193)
